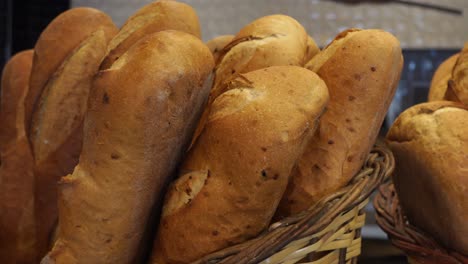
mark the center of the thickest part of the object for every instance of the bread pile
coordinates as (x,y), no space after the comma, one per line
(145,145)
(430,145)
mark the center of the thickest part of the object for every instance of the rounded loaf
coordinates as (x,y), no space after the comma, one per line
(141,116)
(17,223)
(234,176)
(459,83)
(430,144)
(361,69)
(440,79)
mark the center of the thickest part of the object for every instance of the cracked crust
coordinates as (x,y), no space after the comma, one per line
(430,145)
(216,45)
(276,109)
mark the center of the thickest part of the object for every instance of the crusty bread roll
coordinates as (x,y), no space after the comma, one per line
(268,41)
(217,44)
(231,181)
(430,144)
(459,83)
(56,127)
(142,113)
(17,226)
(312,49)
(361,69)
(156,16)
(57,41)
(440,79)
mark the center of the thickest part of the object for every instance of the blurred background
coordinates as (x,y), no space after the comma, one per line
(429,31)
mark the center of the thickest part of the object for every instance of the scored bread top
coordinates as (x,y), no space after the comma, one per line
(217,44)
(156,16)
(442,75)
(236,172)
(430,145)
(56,43)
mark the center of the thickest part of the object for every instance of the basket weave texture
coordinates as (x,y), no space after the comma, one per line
(418,246)
(329,232)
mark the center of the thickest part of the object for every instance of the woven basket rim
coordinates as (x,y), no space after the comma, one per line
(417,245)
(375,170)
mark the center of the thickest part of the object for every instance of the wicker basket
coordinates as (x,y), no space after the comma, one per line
(327,233)
(418,246)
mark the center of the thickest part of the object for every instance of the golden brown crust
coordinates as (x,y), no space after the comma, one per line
(312,49)
(156,16)
(231,181)
(57,41)
(459,84)
(268,41)
(430,144)
(133,140)
(442,75)
(56,127)
(216,45)
(361,69)
(17,226)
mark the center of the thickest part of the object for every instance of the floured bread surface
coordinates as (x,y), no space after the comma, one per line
(430,145)
(235,174)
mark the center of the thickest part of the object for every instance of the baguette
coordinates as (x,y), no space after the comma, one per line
(17,229)
(439,82)
(231,182)
(56,128)
(361,69)
(156,16)
(133,140)
(430,144)
(217,44)
(268,41)
(458,86)
(55,44)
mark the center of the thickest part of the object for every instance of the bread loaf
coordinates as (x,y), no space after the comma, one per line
(459,83)
(430,145)
(440,79)
(17,229)
(142,113)
(312,49)
(268,41)
(67,56)
(156,16)
(361,69)
(217,44)
(57,41)
(231,182)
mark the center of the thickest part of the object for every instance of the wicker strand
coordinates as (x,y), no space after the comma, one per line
(419,247)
